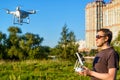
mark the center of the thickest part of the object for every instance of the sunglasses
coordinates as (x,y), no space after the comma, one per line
(98,36)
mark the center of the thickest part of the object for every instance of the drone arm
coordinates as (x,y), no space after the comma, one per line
(11,12)
(32,12)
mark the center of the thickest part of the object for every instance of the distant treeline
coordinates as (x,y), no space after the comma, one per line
(18,46)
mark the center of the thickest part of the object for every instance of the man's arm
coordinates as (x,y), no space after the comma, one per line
(111,75)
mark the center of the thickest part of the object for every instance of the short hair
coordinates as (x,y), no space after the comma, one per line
(107,33)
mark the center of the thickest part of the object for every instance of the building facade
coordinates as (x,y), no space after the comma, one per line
(101,15)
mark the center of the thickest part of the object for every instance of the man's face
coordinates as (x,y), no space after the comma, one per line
(101,39)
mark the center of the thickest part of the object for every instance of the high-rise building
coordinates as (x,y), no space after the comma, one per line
(101,15)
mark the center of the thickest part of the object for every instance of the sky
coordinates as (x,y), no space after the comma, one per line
(50,18)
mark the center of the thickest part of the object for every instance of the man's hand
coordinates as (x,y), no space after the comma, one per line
(85,71)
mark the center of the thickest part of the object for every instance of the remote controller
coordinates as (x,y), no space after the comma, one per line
(78,64)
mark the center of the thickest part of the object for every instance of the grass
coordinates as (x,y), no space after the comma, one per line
(40,70)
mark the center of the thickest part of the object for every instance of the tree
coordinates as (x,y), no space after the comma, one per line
(64,38)
(13,38)
(21,47)
(31,45)
(2,45)
(26,46)
(116,43)
(14,30)
(14,51)
(66,46)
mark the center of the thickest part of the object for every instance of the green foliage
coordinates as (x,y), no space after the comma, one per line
(64,34)
(43,52)
(66,47)
(21,47)
(39,70)
(116,43)
(2,44)
(93,52)
(15,53)
(28,46)
(14,30)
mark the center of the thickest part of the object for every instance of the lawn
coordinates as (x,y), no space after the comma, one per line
(40,70)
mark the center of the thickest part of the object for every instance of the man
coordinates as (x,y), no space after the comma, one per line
(105,64)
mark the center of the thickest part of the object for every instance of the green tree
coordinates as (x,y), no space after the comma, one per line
(14,51)
(66,47)
(44,52)
(64,41)
(2,45)
(64,36)
(20,47)
(31,45)
(116,43)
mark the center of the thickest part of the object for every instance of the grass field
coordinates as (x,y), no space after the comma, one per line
(40,70)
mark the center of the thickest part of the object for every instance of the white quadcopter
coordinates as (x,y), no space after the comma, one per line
(79,63)
(20,15)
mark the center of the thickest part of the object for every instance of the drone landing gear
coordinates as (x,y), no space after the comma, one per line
(20,22)
(27,21)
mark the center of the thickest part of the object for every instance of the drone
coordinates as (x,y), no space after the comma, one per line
(19,15)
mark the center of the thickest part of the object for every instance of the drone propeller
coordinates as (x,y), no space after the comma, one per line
(7,10)
(33,11)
